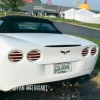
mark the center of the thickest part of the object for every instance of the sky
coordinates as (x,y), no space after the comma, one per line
(95,4)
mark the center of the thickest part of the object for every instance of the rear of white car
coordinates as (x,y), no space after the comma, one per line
(41,58)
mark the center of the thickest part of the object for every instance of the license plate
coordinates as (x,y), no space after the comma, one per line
(62,68)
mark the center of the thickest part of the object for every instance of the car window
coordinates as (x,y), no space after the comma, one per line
(34,27)
(46,26)
(26,25)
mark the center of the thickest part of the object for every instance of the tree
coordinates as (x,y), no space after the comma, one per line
(12,4)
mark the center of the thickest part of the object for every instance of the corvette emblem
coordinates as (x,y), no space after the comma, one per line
(65,52)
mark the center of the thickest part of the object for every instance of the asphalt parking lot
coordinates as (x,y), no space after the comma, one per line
(77,30)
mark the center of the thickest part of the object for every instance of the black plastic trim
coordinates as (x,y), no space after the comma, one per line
(62,45)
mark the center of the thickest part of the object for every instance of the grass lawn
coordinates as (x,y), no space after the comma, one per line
(2,13)
(95,41)
(74,22)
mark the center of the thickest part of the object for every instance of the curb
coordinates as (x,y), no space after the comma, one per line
(85,26)
(77,25)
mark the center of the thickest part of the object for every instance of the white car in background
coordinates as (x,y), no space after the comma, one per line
(34,51)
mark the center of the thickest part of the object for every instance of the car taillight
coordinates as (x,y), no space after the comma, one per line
(85,52)
(93,51)
(15,56)
(34,55)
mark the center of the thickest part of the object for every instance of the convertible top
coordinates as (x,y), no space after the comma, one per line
(6,26)
(23,18)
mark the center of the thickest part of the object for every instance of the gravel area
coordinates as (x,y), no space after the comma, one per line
(96,76)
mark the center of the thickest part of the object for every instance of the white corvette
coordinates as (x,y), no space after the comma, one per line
(33,51)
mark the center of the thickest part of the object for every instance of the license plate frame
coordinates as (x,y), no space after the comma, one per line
(59,68)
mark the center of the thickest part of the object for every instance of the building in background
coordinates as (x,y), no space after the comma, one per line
(38,6)
(29,0)
(39,1)
(85,5)
(49,8)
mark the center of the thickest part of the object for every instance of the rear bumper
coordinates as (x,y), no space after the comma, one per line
(20,74)
(14,76)
(70,77)
(67,82)
(80,79)
(42,71)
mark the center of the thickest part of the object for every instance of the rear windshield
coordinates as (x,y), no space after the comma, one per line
(34,27)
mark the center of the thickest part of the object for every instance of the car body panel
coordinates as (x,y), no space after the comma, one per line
(52,47)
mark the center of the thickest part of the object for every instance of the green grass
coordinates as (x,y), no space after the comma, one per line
(95,41)
(2,13)
(74,22)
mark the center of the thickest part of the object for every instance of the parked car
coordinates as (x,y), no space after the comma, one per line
(34,51)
